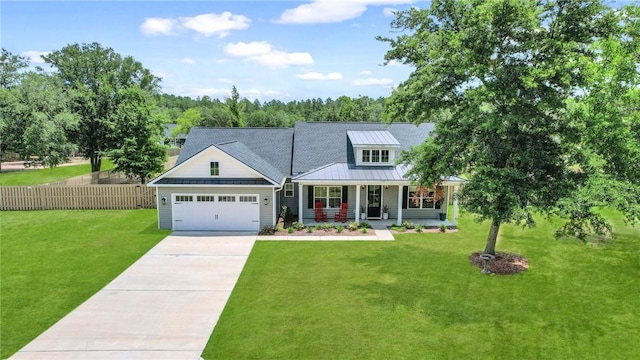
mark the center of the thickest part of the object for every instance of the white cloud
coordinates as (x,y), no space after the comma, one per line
(262,53)
(35,56)
(215,24)
(365,72)
(331,11)
(395,62)
(389,12)
(188,61)
(203,24)
(373,82)
(158,26)
(318,76)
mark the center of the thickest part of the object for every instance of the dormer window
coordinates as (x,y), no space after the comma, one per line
(375,156)
(214,168)
(373,147)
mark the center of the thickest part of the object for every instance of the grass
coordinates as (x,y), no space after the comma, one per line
(52,261)
(420,298)
(47,175)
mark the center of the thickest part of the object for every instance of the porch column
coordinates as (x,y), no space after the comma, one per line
(455,205)
(275,207)
(399,222)
(358,203)
(300,208)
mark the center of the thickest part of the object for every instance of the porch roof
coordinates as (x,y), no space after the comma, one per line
(350,172)
(347,172)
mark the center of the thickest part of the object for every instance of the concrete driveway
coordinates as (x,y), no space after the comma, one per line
(164,306)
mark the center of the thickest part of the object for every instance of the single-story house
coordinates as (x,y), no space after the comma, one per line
(239,178)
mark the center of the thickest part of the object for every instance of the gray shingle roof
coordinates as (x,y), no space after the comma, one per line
(242,153)
(317,144)
(270,147)
(372,137)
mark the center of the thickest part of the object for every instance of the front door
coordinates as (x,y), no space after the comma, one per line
(374,197)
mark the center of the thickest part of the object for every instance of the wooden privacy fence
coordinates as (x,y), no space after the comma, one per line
(77,197)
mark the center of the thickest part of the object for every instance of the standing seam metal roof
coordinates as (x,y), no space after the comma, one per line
(372,137)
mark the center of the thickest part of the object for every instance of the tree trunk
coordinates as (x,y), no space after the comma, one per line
(96,161)
(490,248)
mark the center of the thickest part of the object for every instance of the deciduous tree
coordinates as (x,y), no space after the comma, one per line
(497,77)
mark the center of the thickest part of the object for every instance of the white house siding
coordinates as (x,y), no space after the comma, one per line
(164,211)
(199,167)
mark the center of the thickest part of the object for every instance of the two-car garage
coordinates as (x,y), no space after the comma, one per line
(228,212)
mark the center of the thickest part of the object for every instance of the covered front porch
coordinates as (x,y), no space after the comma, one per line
(377,203)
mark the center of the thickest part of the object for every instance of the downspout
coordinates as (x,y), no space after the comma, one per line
(276,206)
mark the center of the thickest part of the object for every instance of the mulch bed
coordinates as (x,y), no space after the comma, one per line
(424,230)
(325,232)
(503,264)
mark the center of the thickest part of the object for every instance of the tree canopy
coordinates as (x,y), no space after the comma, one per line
(504,82)
(93,75)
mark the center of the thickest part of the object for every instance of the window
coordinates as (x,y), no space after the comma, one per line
(384,156)
(375,156)
(215,168)
(248,199)
(184,198)
(207,198)
(366,157)
(288,190)
(420,200)
(226,198)
(329,196)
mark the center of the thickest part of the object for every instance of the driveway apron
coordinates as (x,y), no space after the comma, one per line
(164,306)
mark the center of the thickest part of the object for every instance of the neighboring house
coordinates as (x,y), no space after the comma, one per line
(239,178)
(174,140)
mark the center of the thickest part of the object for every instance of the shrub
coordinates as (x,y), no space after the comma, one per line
(339,229)
(401,229)
(297,226)
(287,216)
(267,230)
(363,230)
(364,225)
(419,228)
(310,229)
(408,225)
(353,226)
(290,230)
(443,228)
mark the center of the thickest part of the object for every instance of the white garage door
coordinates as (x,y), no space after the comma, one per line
(215,212)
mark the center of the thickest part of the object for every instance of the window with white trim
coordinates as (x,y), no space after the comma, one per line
(375,156)
(288,190)
(214,168)
(184,198)
(226,198)
(206,198)
(420,199)
(248,199)
(329,196)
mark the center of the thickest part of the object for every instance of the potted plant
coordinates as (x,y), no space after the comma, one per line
(385,212)
(363,215)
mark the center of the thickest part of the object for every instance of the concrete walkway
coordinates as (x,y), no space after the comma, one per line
(164,306)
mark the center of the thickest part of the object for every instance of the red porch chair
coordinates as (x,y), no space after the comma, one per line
(320,215)
(342,214)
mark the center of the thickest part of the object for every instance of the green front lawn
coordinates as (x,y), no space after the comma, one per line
(47,175)
(419,298)
(52,261)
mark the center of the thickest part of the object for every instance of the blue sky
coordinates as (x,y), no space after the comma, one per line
(284,50)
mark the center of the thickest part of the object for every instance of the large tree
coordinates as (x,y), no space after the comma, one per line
(35,119)
(137,135)
(94,74)
(497,77)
